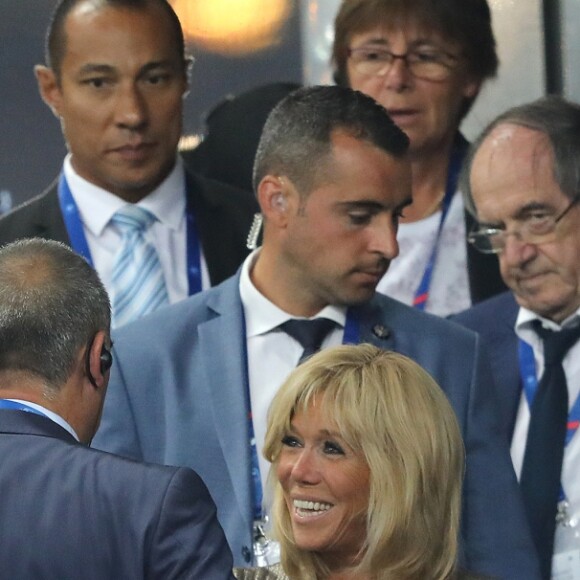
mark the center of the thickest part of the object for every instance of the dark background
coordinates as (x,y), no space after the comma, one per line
(30,139)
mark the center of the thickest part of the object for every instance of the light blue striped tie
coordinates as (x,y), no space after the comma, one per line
(137,285)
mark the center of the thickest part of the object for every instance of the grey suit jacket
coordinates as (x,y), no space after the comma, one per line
(69,512)
(223,215)
(177,396)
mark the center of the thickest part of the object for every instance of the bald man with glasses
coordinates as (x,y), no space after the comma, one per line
(522,181)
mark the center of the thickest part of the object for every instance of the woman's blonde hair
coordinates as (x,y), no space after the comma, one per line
(388,409)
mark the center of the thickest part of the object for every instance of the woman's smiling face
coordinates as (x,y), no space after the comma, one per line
(326,488)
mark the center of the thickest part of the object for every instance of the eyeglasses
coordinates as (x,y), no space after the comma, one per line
(427,63)
(539,229)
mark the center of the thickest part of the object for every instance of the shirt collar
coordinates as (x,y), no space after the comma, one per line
(97,205)
(48,413)
(262,315)
(524,324)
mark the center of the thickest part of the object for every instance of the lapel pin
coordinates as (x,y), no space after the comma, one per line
(381,331)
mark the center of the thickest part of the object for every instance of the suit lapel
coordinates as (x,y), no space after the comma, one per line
(506,361)
(222,341)
(47,220)
(208,219)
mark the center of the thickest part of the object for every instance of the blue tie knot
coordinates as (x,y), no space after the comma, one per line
(133,218)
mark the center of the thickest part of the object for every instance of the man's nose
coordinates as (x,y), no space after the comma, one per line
(383,237)
(516,251)
(130,108)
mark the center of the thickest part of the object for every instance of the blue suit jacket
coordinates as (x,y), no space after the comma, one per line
(69,512)
(177,396)
(495,320)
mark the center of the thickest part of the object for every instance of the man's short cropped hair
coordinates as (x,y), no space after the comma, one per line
(297,136)
(55,47)
(52,303)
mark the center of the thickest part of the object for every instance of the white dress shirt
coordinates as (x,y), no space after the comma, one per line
(571,364)
(449,291)
(272,354)
(167,202)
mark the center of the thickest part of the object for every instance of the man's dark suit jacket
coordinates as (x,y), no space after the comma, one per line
(494,320)
(223,216)
(70,512)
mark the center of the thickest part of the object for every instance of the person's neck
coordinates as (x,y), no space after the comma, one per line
(562,315)
(274,279)
(133,196)
(24,387)
(429,178)
(18,385)
(129,194)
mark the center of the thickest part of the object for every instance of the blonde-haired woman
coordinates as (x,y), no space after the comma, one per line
(367,464)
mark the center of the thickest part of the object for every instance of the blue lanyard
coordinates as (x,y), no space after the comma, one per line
(351,335)
(530,382)
(351,327)
(457,154)
(74,227)
(256,482)
(15,406)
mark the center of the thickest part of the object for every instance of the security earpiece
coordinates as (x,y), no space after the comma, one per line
(279,202)
(105,361)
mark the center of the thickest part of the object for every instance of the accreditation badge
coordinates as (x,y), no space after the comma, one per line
(266,550)
(566,560)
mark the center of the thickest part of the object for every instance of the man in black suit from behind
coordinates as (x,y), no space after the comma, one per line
(68,511)
(116,76)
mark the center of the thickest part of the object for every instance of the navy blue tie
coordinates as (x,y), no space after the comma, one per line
(542,466)
(309,333)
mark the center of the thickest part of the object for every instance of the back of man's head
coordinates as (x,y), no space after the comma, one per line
(297,136)
(52,303)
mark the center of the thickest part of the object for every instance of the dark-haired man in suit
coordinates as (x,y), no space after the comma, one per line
(116,77)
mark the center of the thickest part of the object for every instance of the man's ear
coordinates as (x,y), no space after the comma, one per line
(49,88)
(273,197)
(471,88)
(98,361)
